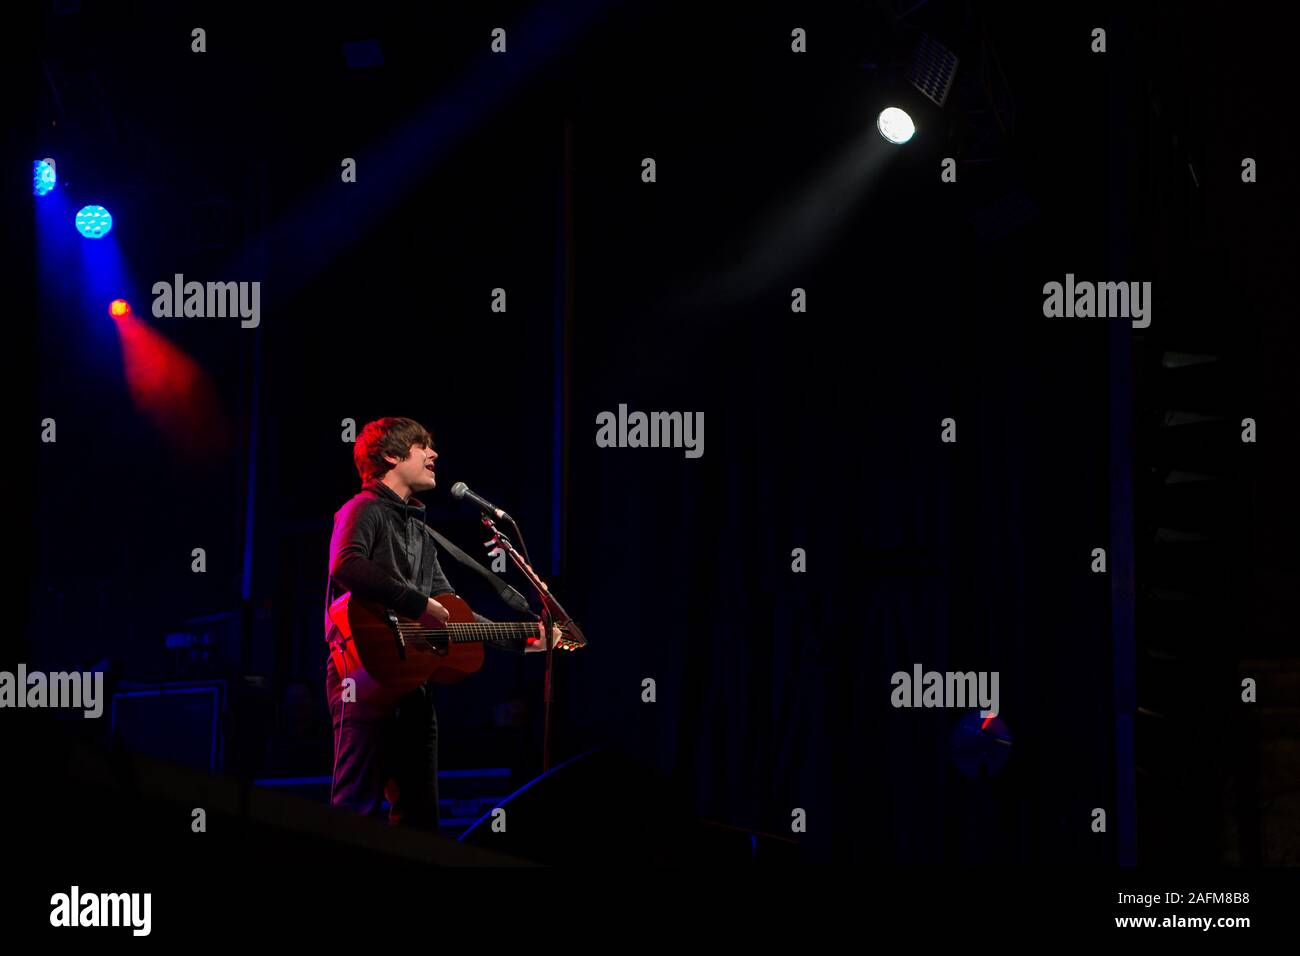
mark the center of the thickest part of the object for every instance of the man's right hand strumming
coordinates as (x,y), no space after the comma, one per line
(435,615)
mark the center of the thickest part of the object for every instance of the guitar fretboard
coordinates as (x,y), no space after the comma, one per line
(467,632)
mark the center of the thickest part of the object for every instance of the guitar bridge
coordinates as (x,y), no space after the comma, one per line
(397,634)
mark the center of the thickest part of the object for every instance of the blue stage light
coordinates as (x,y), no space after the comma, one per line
(43,176)
(94,222)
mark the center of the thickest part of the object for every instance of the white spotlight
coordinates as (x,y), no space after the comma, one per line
(895,125)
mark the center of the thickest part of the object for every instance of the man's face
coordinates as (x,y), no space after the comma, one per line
(416,470)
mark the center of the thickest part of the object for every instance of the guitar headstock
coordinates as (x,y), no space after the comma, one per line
(571,637)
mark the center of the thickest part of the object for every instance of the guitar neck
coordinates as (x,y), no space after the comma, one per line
(475,631)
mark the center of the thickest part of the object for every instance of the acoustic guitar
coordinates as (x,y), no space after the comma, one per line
(390,655)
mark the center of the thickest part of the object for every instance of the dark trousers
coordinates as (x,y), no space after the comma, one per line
(392,754)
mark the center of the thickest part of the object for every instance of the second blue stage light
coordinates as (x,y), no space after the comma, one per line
(94,222)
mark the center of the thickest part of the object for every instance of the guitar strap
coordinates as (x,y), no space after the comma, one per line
(509,595)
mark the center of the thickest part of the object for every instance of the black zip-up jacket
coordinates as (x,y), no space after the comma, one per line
(380,551)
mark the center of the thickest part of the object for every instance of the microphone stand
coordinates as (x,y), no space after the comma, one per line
(552,613)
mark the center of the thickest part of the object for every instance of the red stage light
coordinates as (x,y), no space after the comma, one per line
(173,391)
(118,308)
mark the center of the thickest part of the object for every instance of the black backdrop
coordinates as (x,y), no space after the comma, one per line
(822,429)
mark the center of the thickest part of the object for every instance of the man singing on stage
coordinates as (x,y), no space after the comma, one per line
(380,551)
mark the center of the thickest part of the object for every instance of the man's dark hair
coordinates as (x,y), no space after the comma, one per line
(386,436)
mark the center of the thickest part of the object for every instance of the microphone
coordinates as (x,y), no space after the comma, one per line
(460,491)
